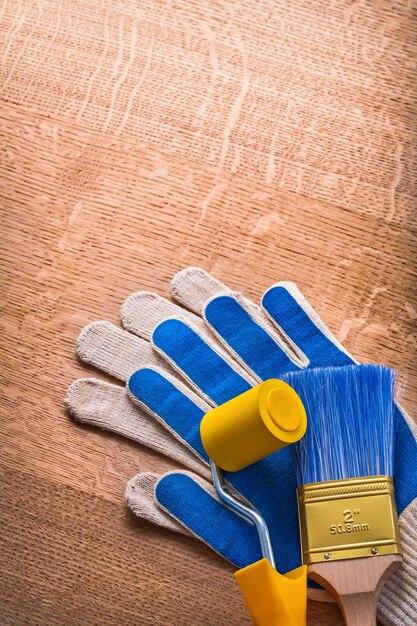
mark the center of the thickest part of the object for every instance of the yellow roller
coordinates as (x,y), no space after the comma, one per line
(236,434)
(251,426)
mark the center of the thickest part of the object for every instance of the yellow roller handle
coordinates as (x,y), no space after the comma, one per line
(271,598)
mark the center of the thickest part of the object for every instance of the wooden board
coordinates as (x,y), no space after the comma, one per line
(260,142)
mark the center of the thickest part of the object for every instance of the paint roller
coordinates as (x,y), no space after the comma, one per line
(236,434)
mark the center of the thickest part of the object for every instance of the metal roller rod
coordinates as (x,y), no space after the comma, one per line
(246,510)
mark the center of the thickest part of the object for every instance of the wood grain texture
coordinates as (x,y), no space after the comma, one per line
(262,141)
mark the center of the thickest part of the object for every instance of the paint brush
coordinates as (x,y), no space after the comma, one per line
(344,465)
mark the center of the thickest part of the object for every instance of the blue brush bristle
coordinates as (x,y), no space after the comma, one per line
(350,432)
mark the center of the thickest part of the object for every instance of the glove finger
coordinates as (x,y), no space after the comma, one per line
(141,500)
(193,287)
(120,353)
(289,310)
(193,503)
(116,351)
(250,337)
(172,403)
(143,312)
(241,326)
(190,355)
(107,406)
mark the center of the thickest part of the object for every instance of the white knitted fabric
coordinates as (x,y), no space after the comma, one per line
(139,496)
(108,406)
(398,602)
(120,352)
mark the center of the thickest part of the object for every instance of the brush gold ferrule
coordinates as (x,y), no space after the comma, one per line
(348,519)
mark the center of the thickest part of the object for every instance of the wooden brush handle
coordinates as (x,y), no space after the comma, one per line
(356,584)
(359,609)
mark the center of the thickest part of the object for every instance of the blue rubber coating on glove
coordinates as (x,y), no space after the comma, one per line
(220,528)
(294,321)
(405,463)
(170,404)
(247,338)
(216,378)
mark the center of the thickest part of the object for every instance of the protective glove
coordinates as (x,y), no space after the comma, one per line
(229,345)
